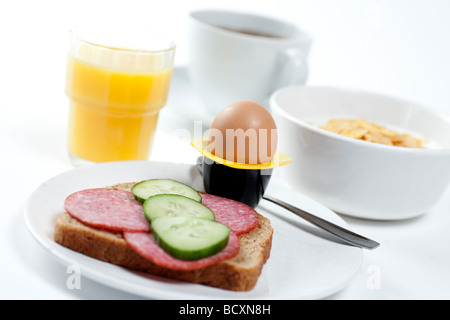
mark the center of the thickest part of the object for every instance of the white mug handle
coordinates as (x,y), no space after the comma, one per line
(293,68)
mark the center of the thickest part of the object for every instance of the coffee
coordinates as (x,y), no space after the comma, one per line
(251,32)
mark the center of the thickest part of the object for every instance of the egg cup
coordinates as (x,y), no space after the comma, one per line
(245,183)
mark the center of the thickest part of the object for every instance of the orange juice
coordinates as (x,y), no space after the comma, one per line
(113,112)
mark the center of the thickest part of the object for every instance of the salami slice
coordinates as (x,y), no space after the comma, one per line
(111,209)
(240,217)
(145,244)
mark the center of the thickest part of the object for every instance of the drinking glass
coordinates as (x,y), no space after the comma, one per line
(117,81)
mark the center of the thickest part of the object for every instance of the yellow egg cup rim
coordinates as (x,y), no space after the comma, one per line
(278,160)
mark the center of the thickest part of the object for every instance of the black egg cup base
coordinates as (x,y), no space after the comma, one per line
(243,185)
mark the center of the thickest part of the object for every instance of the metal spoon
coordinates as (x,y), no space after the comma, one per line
(340,232)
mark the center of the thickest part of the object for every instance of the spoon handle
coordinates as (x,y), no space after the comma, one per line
(342,233)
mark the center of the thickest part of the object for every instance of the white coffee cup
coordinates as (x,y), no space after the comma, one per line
(228,61)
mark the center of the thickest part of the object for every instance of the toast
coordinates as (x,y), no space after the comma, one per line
(239,273)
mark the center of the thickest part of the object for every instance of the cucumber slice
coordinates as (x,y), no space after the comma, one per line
(148,188)
(189,238)
(174,205)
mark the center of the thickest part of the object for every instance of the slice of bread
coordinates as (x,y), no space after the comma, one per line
(239,273)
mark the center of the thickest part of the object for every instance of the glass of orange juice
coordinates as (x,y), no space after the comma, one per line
(117,80)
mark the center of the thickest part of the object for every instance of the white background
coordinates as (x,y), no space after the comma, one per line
(397,47)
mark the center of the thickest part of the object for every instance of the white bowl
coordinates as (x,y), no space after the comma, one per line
(355,177)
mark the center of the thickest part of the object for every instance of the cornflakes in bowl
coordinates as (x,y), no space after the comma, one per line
(372,132)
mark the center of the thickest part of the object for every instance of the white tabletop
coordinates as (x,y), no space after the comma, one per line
(379,46)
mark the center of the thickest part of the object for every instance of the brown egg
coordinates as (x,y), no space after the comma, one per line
(243,132)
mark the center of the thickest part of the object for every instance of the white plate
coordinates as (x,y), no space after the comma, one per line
(183,99)
(305,263)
